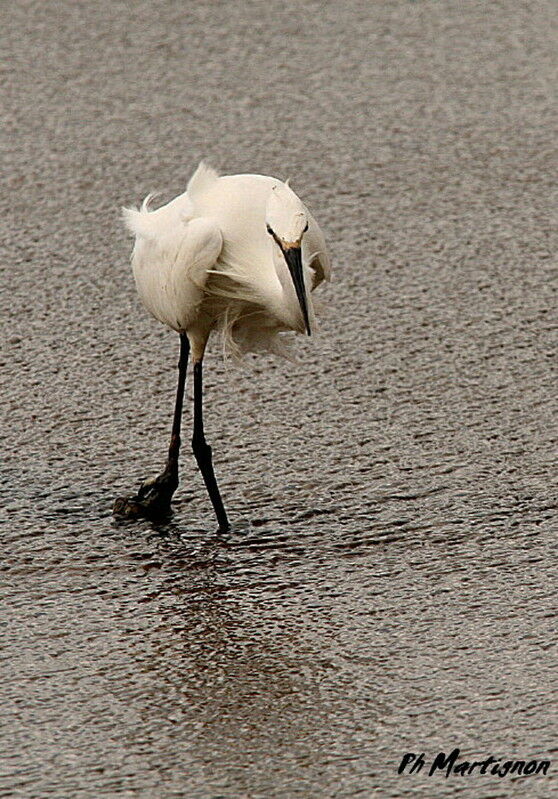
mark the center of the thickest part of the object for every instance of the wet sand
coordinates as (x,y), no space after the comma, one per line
(389,586)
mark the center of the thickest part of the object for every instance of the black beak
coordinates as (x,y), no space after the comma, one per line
(293,257)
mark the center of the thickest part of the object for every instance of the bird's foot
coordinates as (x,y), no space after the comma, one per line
(153,500)
(224,528)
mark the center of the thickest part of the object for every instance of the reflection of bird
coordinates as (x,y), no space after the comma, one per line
(236,253)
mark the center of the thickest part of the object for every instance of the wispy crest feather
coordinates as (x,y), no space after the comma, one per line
(137,221)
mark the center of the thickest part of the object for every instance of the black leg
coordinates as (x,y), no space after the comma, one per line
(174,448)
(202,452)
(153,499)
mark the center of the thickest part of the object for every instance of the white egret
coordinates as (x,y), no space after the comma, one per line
(238,254)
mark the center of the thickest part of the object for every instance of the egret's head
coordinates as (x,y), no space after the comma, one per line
(287,222)
(286,216)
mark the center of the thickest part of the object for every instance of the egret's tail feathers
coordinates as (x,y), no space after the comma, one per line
(202,178)
(140,223)
(146,204)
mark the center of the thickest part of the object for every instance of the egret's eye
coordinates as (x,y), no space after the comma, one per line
(269,230)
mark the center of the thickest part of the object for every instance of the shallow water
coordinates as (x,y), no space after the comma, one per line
(389,584)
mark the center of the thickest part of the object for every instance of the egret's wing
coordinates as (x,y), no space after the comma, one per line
(319,261)
(171,259)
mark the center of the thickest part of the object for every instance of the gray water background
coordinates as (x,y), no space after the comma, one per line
(390,584)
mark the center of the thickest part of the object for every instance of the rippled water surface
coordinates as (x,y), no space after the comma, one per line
(389,584)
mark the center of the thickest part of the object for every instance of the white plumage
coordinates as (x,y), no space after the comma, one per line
(240,254)
(206,260)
